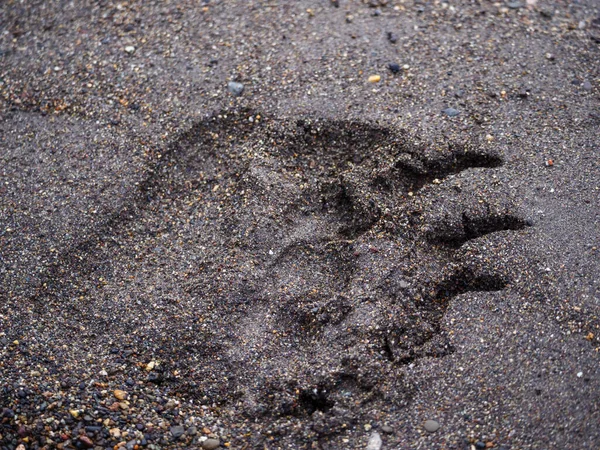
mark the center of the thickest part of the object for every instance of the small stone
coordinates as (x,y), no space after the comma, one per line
(387,429)
(451,112)
(368,427)
(431,425)
(103,373)
(392,37)
(550,57)
(394,68)
(20,447)
(170,404)
(177,431)
(119,394)
(192,431)
(235,88)
(74,413)
(375,442)
(115,432)
(479,445)
(86,441)
(514,5)
(130,49)
(35,373)
(374,78)
(587,86)
(211,444)
(403,284)
(150,366)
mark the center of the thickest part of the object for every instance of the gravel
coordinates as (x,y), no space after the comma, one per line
(282,267)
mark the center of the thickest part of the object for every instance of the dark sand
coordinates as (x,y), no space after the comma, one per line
(318,262)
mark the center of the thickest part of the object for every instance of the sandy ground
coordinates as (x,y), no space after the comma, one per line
(396,221)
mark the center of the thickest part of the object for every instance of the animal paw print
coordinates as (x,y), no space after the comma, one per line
(291,266)
(349,245)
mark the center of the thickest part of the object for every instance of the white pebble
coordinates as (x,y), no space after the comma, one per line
(375,442)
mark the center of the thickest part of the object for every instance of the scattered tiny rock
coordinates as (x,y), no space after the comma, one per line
(211,444)
(375,442)
(235,88)
(451,112)
(119,394)
(431,425)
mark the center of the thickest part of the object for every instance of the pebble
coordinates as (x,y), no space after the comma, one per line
(394,68)
(20,447)
(130,49)
(514,5)
(431,425)
(86,441)
(479,445)
(119,394)
(375,442)
(177,431)
(211,444)
(235,88)
(374,78)
(451,112)
(387,429)
(587,86)
(150,366)
(392,37)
